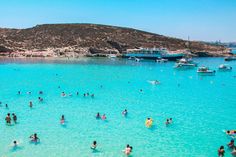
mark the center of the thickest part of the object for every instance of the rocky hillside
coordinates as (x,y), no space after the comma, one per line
(88,39)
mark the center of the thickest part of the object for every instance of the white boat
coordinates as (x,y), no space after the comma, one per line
(205,70)
(185,63)
(161,60)
(225,67)
(112,56)
(136,59)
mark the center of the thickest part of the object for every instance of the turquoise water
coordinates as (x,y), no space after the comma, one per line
(201,107)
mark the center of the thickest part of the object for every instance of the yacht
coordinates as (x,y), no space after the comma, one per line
(161,60)
(205,70)
(230,58)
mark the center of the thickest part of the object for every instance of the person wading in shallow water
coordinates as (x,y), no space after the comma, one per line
(8,119)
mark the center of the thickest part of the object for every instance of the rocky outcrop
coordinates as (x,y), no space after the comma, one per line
(75,40)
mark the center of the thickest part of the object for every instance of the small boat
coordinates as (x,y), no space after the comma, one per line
(225,67)
(112,56)
(161,60)
(230,58)
(205,70)
(136,59)
(185,63)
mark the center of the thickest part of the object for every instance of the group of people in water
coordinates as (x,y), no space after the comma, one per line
(63,94)
(9,119)
(230,145)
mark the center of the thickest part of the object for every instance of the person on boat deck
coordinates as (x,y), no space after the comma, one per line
(221,151)
(104,117)
(62,119)
(94,145)
(125,112)
(30,104)
(231,144)
(8,119)
(34,138)
(14,117)
(98,115)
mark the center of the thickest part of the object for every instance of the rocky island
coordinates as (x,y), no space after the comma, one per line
(75,40)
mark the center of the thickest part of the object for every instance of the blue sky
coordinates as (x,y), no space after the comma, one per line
(208,20)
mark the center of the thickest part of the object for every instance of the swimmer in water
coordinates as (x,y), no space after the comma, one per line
(14,118)
(231,144)
(40,92)
(6,106)
(77,93)
(98,116)
(167,122)
(63,94)
(18,92)
(170,120)
(40,99)
(94,145)
(30,104)
(8,119)
(128,149)
(92,95)
(104,117)
(15,144)
(125,112)
(62,119)
(29,92)
(221,151)
(34,138)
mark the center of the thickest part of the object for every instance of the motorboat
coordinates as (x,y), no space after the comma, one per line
(205,70)
(161,60)
(225,67)
(185,63)
(231,58)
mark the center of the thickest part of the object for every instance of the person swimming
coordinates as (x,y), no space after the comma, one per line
(170,120)
(14,118)
(15,143)
(34,138)
(104,117)
(92,95)
(62,121)
(231,132)
(40,99)
(40,92)
(98,116)
(19,92)
(231,144)
(128,149)
(167,122)
(125,112)
(63,94)
(234,151)
(30,104)
(29,92)
(6,105)
(8,119)
(94,145)
(221,151)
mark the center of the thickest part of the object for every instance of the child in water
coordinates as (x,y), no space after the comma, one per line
(221,151)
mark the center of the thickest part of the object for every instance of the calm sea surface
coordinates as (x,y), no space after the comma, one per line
(201,107)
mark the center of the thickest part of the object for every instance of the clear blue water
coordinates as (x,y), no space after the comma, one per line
(201,107)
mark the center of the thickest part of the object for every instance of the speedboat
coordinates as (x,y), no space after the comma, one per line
(161,60)
(205,70)
(230,58)
(136,59)
(185,63)
(112,56)
(225,67)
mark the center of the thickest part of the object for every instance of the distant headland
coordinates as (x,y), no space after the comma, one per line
(75,40)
